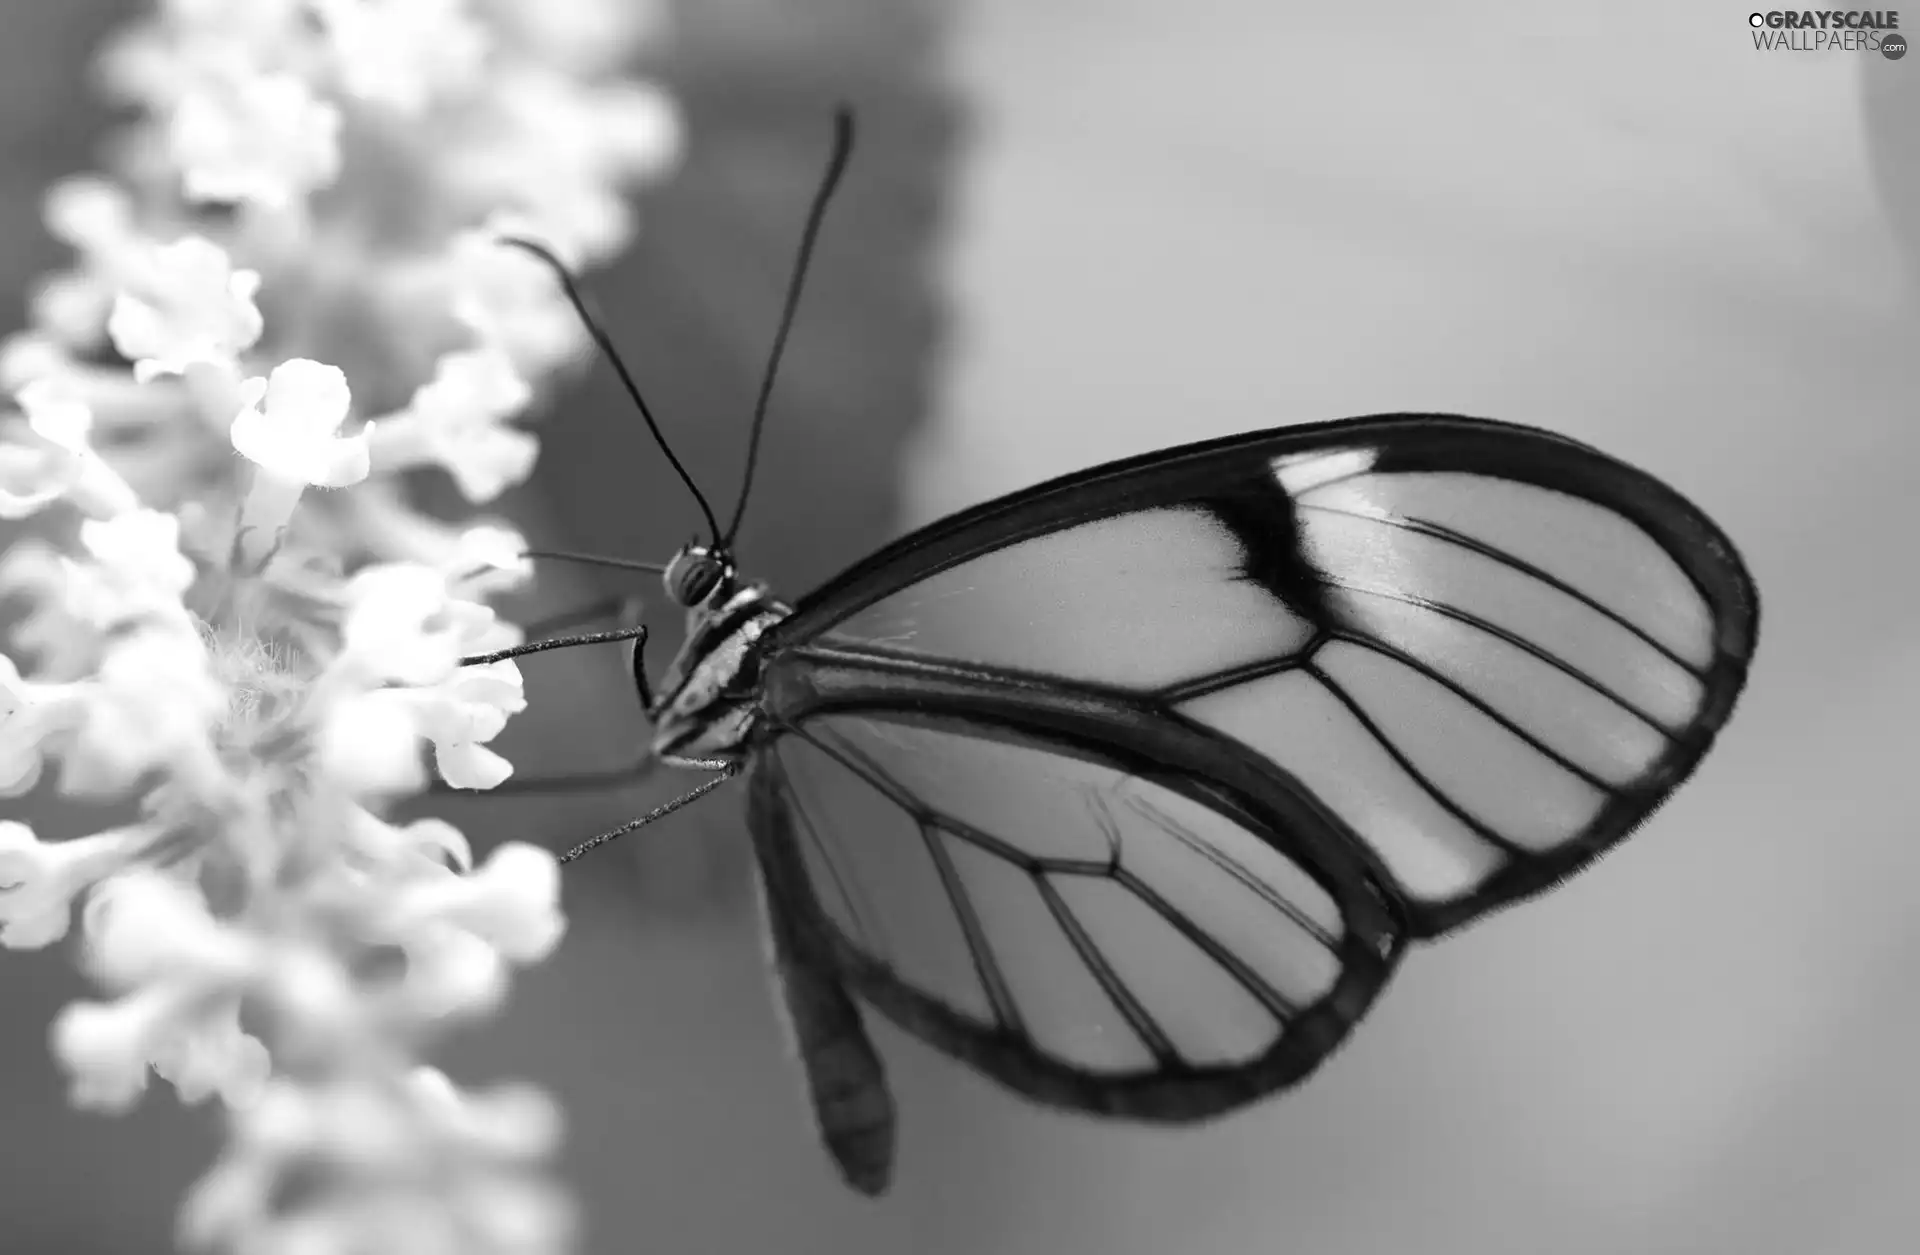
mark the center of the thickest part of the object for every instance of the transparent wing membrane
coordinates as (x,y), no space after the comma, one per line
(1044,898)
(1142,600)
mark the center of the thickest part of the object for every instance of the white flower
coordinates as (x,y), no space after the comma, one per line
(92,214)
(157,63)
(318,997)
(563,152)
(517,1212)
(416,1166)
(399,624)
(106,1047)
(369,744)
(188,305)
(583,37)
(71,306)
(511,901)
(144,925)
(404,53)
(508,1122)
(423,846)
(457,420)
(634,128)
(485,560)
(463,711)
(510,300)
(290,427)
(154,702)
(465,708)
(32,716)
(39,880)
(214,1055)
(48,630)
(27,356)
(138,554)
(265,138)
(31,476)
(403,624)
(452,973)
(57,415)
(352,1124)
(225,1206)
(137,577)
(52,459)
(96,217)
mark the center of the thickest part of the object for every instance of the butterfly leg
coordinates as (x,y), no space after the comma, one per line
(724,771)
(575,781)
(562,782)
(637,633)
(626,608)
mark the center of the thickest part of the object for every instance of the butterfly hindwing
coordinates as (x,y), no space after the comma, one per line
(1092,930)
(1477,654)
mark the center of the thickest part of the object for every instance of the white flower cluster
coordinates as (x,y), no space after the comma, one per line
(289,292)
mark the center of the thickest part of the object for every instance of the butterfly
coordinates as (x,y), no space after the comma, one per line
(1130,790)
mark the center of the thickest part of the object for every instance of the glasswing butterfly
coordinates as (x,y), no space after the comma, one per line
(1130,790)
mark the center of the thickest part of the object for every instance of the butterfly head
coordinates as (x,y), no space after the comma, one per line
(696,574)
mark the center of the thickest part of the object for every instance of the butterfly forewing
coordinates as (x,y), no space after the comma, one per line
(1478,654)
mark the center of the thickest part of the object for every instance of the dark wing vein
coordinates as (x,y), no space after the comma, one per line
(855,908)
(1282,1007)
(1419,777)
(1299,659)
(997,846)
(860,765)
(1260,888)
(1447,535)
(1245,673)
(1109,828)
(1138,1018)
(930,823)
(922,814)
(1466,695)
(992,979)
(1511,638)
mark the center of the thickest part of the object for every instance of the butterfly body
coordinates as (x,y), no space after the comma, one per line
(1131,790)
(709,701)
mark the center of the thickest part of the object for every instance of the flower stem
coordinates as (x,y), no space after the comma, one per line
(264,516)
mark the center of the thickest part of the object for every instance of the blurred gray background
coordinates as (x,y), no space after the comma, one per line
(1085,229)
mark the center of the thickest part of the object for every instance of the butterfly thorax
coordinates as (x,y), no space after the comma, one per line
(709,698)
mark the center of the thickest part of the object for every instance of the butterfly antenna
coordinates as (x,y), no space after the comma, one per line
(594,559)
(836,166)
(589,316)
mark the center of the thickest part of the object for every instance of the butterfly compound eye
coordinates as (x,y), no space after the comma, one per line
(693,575)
